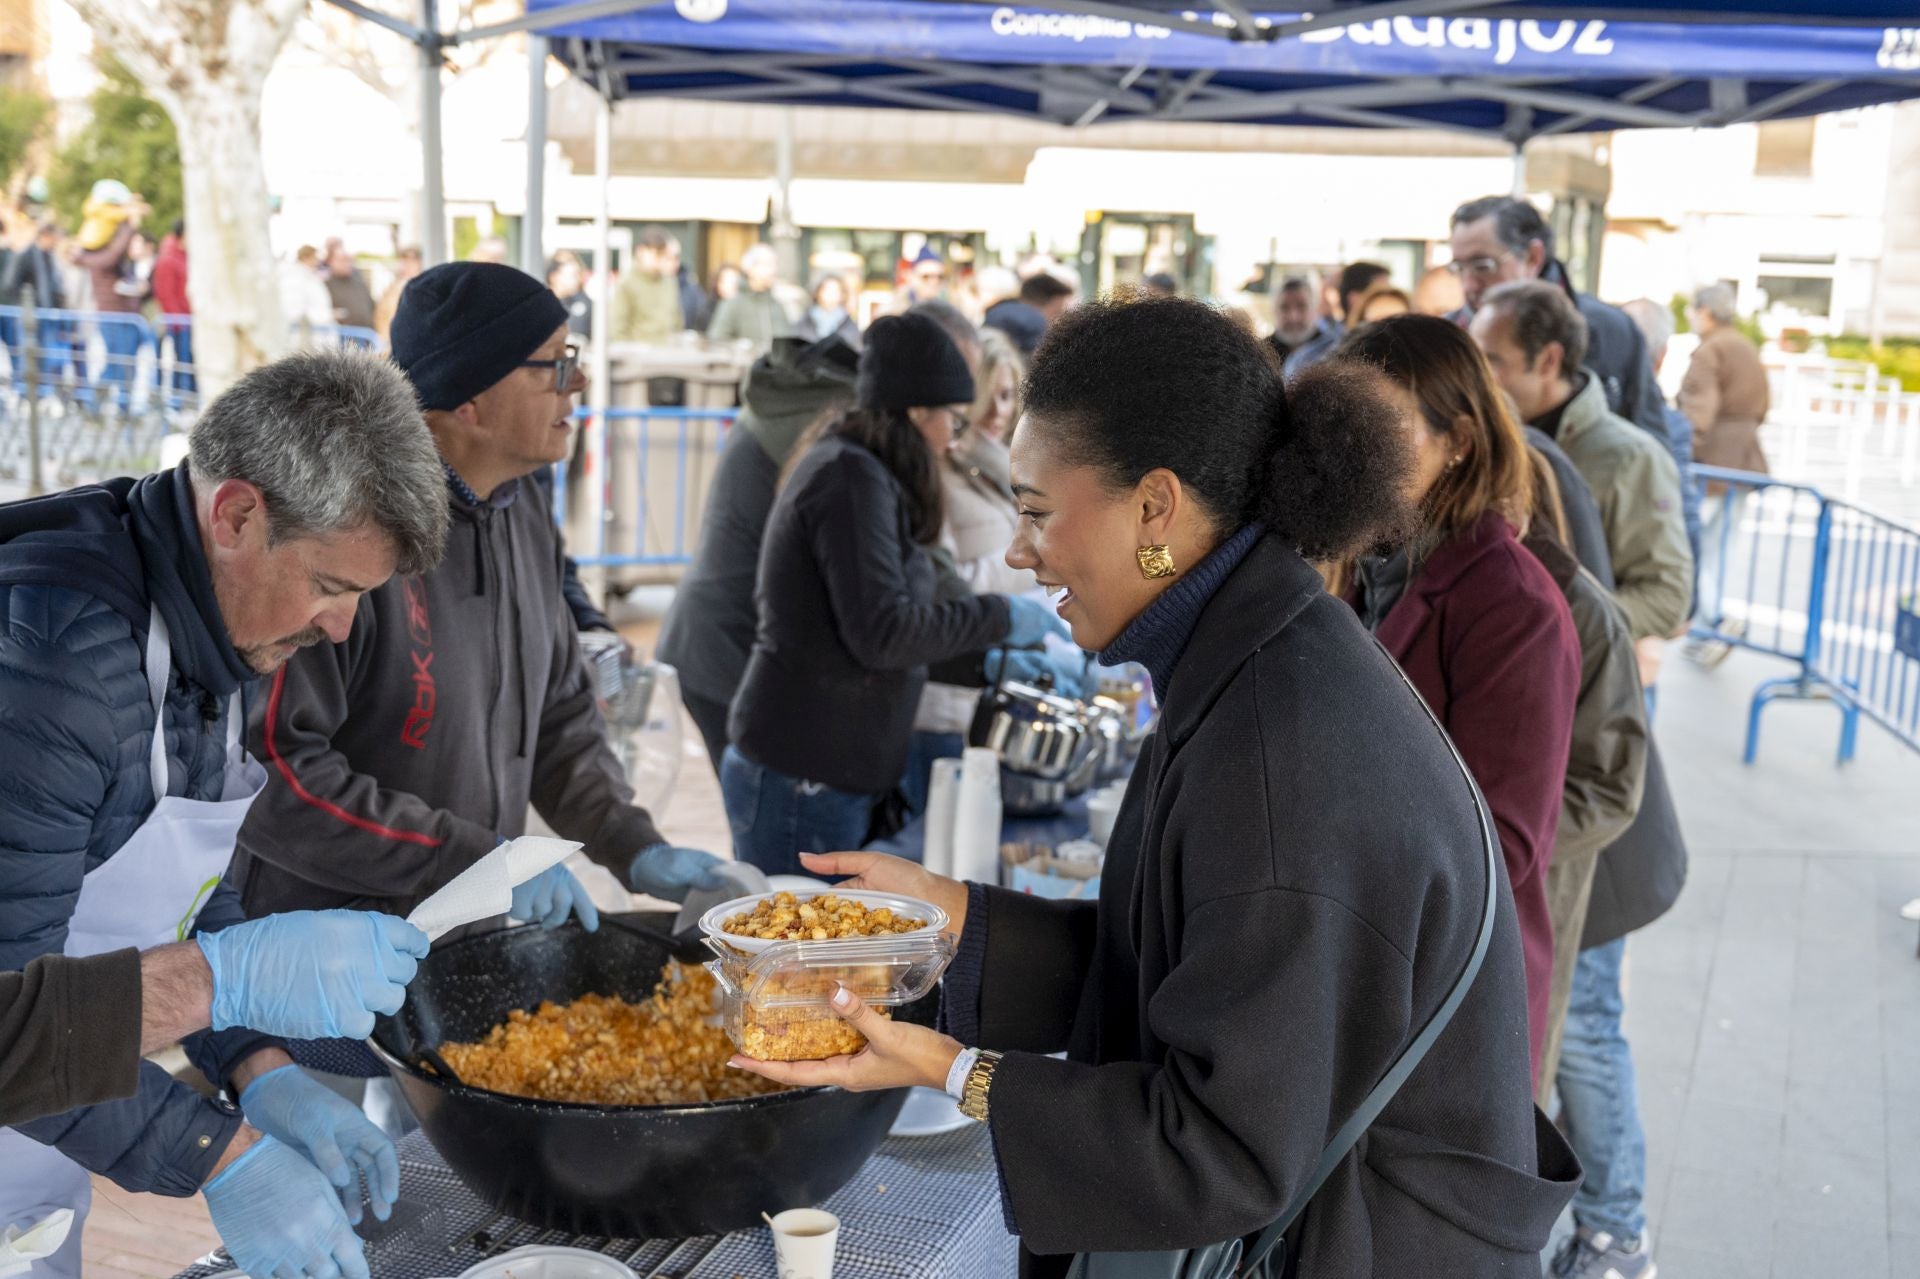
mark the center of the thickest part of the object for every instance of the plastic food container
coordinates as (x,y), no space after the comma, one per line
(775,996)
(549,1263)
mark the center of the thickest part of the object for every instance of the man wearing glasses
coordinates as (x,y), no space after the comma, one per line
(1499,239)
(401,756)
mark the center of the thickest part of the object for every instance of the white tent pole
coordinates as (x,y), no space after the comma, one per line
(433,194)
(1519,170)
(599,452)
(533,226)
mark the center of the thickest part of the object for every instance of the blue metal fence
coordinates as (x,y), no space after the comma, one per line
(1825,584)
(654,488)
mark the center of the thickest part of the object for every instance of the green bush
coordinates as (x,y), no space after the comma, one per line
(1895,357)
(130,137)
(23,116)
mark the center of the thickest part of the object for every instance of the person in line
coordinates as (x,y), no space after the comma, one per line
(1502,239)
(1536,344)
(696,308)
(1161,285)
(1296,316)
(1008,311)
(724,286)
(1607,764)
(1535,341)
(1476,622)
(407,264)
(1173,491)
(74,1028)
(1656,326)
(1382,303)
(926,277)
(35,268)
(708,630)
(755,313)
(1438,292)
(489,248)
(646,302)
(850,616)
(137,614)
(827,314)
(409,749)
(1357,280)
(976,487)
(170,293)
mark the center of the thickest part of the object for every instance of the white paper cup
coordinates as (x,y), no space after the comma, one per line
(803,1243)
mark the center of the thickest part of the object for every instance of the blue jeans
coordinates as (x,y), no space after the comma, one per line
(122,340)
(1600,1100)
(1719,541)
(921,752)
(775,818)
(183,378)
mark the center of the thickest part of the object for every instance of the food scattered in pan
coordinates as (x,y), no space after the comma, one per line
(827,917)
(605,1051)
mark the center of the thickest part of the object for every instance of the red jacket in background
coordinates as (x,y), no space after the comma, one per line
(1485,635)
(170,277)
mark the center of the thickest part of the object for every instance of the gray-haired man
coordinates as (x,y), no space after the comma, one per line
(133,617)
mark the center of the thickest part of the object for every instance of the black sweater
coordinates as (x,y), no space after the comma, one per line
(848,624)
(1292,887)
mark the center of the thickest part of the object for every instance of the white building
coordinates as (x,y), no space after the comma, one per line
(1816,222)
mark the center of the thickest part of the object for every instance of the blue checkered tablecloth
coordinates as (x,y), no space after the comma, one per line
(921,1208)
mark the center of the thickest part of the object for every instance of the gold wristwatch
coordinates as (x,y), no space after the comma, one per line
(973,1096)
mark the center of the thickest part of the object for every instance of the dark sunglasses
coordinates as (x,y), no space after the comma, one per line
(563,368)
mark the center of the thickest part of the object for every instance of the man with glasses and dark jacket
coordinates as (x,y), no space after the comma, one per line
(405,754)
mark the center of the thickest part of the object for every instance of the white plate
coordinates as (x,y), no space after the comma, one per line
(549,1263)
(928,1113)
(911,907)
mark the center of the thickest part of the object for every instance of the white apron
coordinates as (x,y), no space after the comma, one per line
(147,894)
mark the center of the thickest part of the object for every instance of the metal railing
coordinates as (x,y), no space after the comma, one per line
(1820,582)
(653,492)
(90,394)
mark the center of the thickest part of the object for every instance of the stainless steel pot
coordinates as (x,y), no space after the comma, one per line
(1042,740)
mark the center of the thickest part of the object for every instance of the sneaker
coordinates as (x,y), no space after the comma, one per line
(1595,1254)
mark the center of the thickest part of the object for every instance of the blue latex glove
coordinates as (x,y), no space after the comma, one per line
(1031,622)
(549,897)
(1068,674)
(312,974)
(345,1145)
(279,1218)
(665,871)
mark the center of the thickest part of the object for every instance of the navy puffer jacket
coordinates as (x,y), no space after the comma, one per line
(77,572)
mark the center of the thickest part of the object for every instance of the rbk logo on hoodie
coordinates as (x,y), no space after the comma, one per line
(420,632)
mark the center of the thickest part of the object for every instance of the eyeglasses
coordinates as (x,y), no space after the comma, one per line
(1483,267)
(563,368)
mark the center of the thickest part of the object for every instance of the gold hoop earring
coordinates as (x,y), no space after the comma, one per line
(1155,562)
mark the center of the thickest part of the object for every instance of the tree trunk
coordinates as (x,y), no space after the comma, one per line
(233,281)
(205,62)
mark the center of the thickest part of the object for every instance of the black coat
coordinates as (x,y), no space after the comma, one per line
(849,622)
(1292,887)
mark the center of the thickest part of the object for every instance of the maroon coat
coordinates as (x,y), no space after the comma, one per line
(1485,635)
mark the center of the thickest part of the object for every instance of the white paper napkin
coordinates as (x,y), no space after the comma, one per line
(19,1249)
(485,889)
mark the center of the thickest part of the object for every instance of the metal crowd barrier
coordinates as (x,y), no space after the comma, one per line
(1825,584)
(653,491)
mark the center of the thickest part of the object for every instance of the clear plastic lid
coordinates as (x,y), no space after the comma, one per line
(883,971)
(713,923)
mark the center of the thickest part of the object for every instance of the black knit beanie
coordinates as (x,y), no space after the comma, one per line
(908,362)
(463,326)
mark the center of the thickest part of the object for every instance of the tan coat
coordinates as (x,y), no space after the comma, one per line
(1725,396)
(980,525)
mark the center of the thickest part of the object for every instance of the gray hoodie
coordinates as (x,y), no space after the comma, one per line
(400,757)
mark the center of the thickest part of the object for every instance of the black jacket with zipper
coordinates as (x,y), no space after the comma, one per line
(400,757)
(849,621)
(1293,886)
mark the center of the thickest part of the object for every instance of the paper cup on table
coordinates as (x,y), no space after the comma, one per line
(803,1243)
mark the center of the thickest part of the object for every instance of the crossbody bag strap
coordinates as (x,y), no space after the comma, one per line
(1362,1119)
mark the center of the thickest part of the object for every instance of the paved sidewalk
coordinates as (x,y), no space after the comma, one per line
(1775,1013)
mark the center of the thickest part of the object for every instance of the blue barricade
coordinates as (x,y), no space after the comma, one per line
(1825,584)
(659,465)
